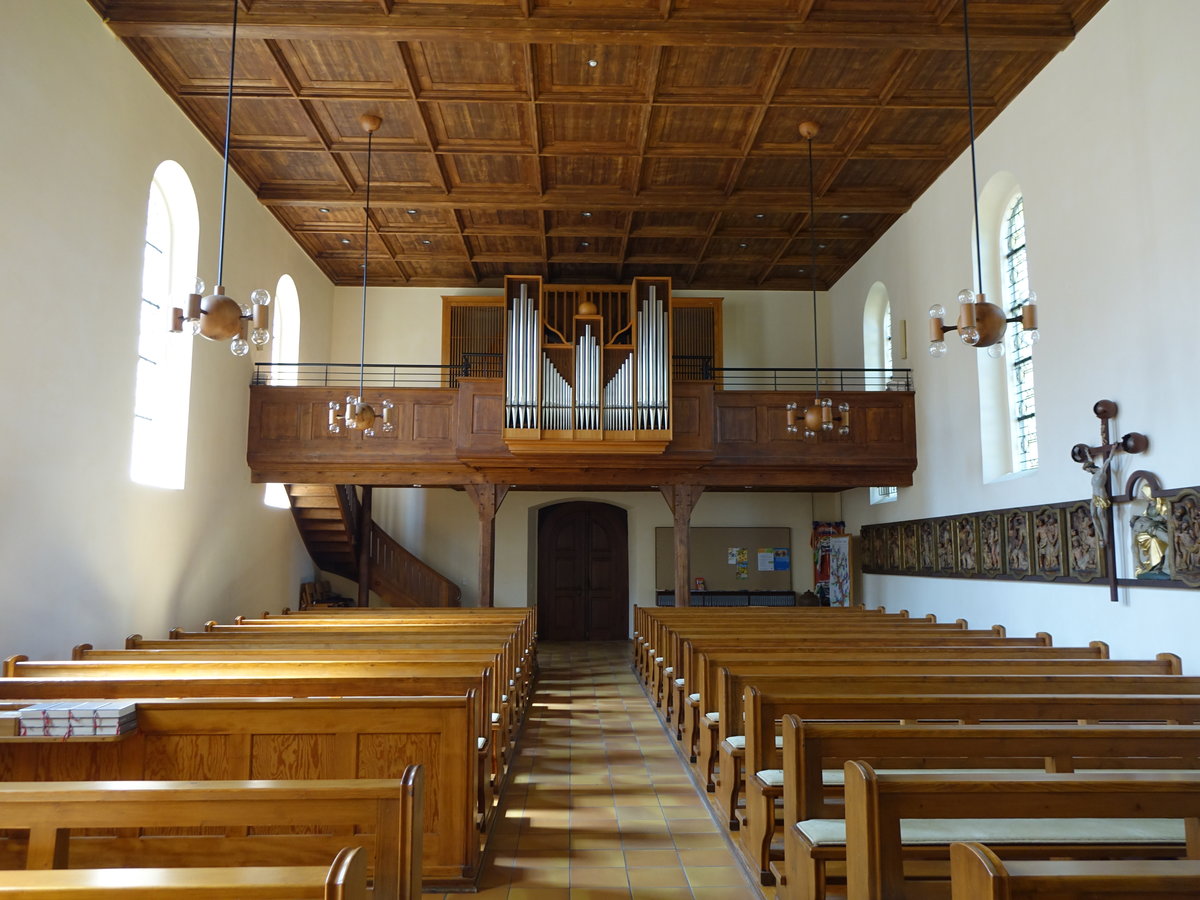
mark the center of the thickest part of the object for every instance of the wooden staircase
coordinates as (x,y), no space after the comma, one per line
(327,516)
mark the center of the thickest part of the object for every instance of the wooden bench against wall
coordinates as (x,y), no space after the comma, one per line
(345,879)
(241,823)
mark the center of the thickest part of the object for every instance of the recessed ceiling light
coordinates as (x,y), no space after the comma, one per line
(345,240)
(586,215)
(760,215)
(411,212)
(585,244)
(800,270)
(426,241)
(845,215)
(592,63)
(323,209)
(743,245)
(820,246)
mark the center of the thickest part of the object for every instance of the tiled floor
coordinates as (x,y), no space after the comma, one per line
(600,804)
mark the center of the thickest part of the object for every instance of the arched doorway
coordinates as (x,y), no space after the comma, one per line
(583,572)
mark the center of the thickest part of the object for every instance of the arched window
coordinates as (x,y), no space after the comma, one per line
(1007,423)
(877,354)
(285,342)
(1019,351)
(164,361)
(285,349)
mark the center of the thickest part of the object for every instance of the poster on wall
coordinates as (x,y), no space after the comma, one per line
(840,568)
(766,559)
(783,561)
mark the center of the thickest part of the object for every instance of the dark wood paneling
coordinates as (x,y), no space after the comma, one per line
(723,439)
(500,114)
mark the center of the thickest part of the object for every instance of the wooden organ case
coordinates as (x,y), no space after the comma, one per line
(590,375)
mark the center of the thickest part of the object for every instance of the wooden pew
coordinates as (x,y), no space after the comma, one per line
(763,751)
(762,707)
(384,810)
(704,665)
(876,803)
(814,752)
(206,739)
(345,879)
(976,873)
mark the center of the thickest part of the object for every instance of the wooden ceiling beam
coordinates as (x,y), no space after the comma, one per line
(182,20)
(864,201)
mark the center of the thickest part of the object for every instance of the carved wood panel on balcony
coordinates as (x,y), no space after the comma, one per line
(724,440)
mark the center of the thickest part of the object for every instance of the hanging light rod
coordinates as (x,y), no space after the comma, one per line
(818,418)
(980,323)
(219,317)
(357,414)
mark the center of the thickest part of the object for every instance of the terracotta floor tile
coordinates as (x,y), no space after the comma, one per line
(657,876)
(599,804)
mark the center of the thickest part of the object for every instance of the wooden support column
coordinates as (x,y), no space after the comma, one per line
(487,499)
(364,547)
(682,499)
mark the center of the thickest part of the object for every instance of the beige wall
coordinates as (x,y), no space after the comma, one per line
(1103,145)
(441,527)
(86,554)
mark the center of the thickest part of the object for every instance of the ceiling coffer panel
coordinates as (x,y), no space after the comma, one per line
(592,140)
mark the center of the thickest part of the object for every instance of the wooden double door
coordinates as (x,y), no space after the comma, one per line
(583,572)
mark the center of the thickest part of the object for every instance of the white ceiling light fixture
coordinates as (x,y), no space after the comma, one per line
(218,317)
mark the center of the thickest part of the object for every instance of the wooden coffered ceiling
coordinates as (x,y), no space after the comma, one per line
(590,141)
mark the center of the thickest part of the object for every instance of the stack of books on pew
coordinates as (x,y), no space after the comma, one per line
(78,718)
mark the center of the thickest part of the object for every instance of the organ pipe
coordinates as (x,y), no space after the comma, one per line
(569,388)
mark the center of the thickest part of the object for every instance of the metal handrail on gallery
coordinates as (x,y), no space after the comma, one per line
(775,379)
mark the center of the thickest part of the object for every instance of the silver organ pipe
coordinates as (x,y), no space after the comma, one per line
(521,369)
(653,368)
(556,398)
(618,398)
(587,381)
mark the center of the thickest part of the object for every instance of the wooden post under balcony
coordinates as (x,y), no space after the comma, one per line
(682,499)
(364,548)
(487,499)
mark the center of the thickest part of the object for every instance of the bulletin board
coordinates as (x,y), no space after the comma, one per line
(710,558)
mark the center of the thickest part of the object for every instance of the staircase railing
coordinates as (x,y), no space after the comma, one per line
(395,572)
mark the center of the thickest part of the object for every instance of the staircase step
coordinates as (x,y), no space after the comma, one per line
(314,502)
(317,513)
(298,490)
(322,526)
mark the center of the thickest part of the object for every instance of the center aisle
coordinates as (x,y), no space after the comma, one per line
(600,804)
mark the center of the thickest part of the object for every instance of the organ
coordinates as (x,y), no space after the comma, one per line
(593,377)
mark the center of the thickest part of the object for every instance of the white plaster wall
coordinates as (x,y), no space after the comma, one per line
(86,554)
(1103,144)
(441,527)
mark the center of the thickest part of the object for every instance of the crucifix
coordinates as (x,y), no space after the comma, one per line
(1102,497)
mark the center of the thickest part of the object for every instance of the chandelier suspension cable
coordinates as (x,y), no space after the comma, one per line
(362,345)
(974,168)
(812,245)
(228,128)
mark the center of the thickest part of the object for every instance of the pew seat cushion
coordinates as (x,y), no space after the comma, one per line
(713,717)
(679,682)
(669,670)
(738,741)
(935,832)
(770,777)
(693,698)
(837,777)
(495,718)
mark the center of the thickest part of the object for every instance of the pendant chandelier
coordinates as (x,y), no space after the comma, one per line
(219,317)
(356,414)
(980,323)
(821,417)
